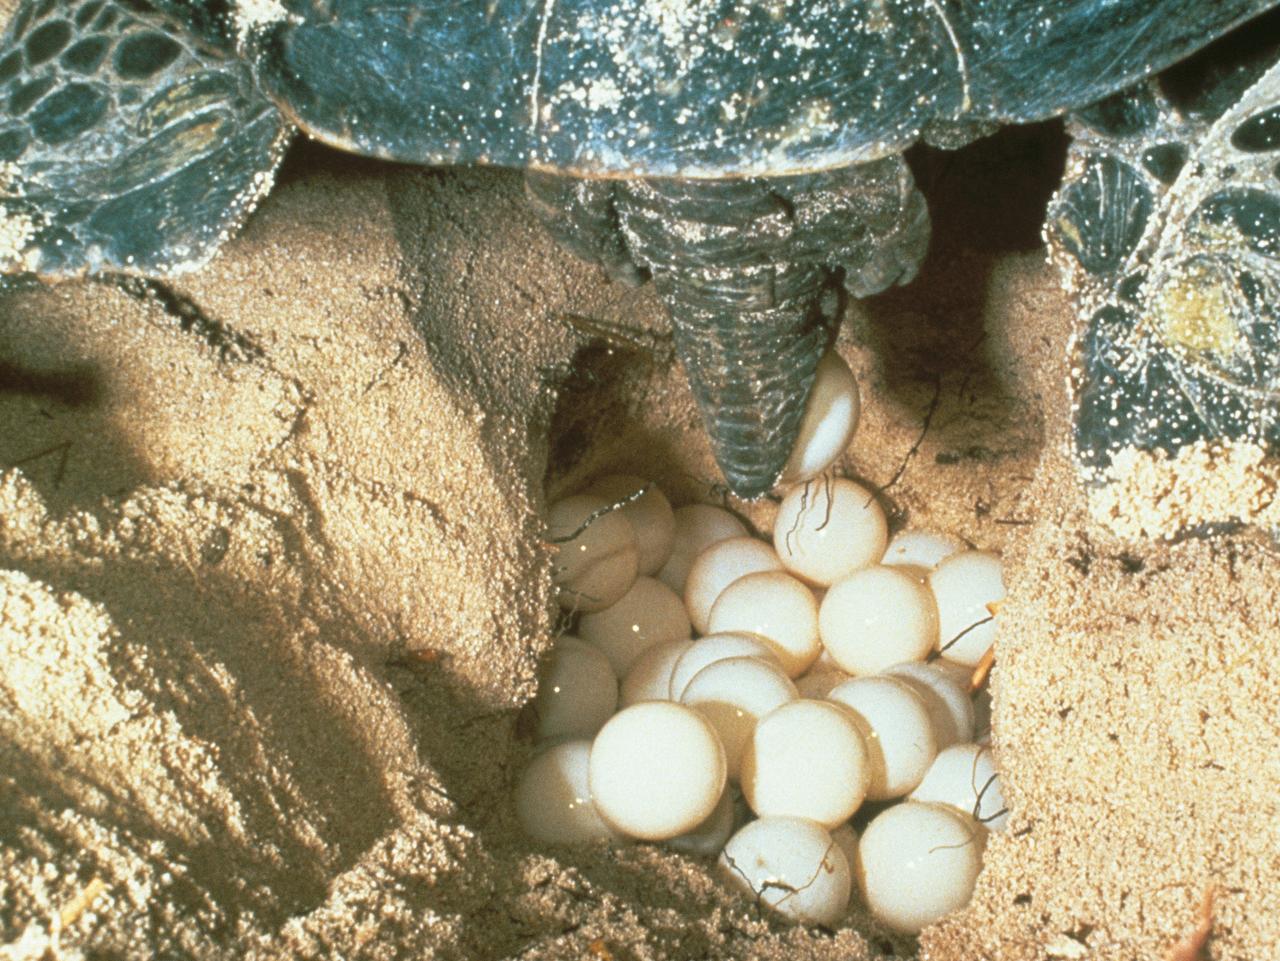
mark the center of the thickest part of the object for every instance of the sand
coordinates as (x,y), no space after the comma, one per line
(273,594)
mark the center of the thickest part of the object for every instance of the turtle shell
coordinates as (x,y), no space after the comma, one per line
(701,88)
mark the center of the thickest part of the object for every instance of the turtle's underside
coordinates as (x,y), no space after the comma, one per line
(746,156)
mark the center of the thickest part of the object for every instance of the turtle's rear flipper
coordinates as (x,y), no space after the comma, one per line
(1168,233)
(124,146)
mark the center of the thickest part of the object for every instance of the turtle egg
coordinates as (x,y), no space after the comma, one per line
(717,647)
(829,528)
(648,614)
(597,559)
(921,549)
(964,777)
(698,526)
(846,839)
(553,800)
(577,690)
(962,677)
(776,606)
(877,617)
(897,730)
(806,759)
(708,838)
(733,694)
(719,566)
(650,515)
(945,696)
(918,862)
(791,865)
(963,585)
(650,676)
(657,770)
(829,421)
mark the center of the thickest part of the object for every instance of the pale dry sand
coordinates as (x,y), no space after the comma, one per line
(272,596)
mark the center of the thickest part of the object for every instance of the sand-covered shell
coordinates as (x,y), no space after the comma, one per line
(703,88)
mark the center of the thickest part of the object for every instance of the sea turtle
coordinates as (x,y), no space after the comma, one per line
(746,154)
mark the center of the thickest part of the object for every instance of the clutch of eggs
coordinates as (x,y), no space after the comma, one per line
(803,677)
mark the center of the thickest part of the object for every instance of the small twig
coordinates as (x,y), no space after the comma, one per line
(81,903)
(924,429)
(795,525)
(63,449)
(982,670)
(955,640)
(788,889)
(826,517)
(982,792)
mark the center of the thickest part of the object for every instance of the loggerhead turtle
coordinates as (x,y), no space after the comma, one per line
(745,154)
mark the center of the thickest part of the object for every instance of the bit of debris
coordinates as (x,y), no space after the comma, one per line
(37,944)
(1192,946)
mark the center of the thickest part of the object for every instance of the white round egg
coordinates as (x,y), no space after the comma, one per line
(806,759)
(717,647)
(650,676)
(963,585)
(596,557)
(650,515)
(829,421)
(791,865)
(719,566)
(733,694)
(648,614)
(774,605)
(918,862)
(897,730)
(828,528)
(964,777)
(577,690)
(945,696)
(877,617)
(553,798)
(921,549)
(698,526)
(657,770)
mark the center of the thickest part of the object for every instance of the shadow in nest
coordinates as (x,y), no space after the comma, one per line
(987,202)
(54,414)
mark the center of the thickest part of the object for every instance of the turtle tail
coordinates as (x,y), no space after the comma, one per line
(750,271)
(745,314)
